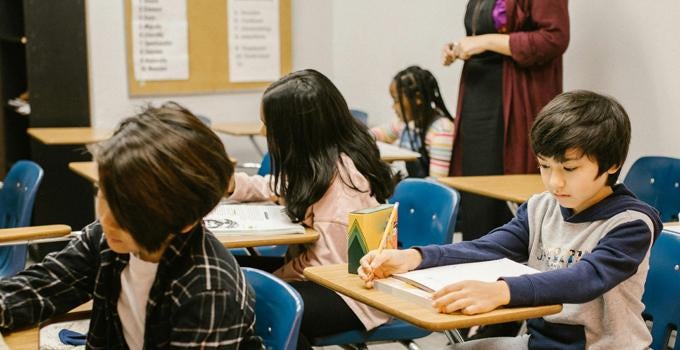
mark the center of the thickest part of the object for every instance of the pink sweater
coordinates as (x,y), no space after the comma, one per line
(329,217)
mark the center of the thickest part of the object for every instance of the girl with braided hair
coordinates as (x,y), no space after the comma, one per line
(424,124)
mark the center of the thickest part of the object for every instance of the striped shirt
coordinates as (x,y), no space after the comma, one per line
(438,141)
(199,298)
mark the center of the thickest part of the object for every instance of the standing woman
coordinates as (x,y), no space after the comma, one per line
(513,67)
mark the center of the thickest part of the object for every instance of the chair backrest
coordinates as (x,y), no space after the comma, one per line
(17,196)
(360,115)
(265,165)
(662,289)
(427,212)
(278,309)
(656,181)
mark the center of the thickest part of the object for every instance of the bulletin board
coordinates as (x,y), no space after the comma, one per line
(207,51)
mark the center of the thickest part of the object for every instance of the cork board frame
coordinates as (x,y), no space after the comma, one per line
(208,52)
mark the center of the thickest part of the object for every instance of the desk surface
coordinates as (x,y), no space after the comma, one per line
(247,241)
(88,170)
(69,136)
(29,338)
(513,188)
(392,153)
(239,128)
(337,278)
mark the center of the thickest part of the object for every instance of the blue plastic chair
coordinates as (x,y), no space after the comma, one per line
(427,215)
(360,115)
(265,165)
(278,310)
(656,181)
(17,196)
(662,289)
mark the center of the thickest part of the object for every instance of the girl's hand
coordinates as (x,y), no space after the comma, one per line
(471,297)
(448,56)
(231,186)
(387,263)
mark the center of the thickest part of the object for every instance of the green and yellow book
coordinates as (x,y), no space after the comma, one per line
(365,230)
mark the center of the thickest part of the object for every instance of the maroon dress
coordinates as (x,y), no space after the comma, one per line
(500,96)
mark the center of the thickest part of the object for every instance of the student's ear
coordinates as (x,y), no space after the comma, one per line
(613,169)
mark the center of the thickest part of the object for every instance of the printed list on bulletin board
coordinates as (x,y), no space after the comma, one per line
(200,46)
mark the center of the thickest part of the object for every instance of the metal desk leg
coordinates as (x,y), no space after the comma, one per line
(513,207)
(454,336)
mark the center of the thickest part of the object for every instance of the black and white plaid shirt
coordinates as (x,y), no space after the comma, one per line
(199,299)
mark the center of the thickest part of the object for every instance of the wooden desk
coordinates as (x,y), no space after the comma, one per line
(512,188)
(88,170)
(250,129)
(392,153)
(249,241)
(29,338)
(69,136)
(337,278)
(19,234)
(388,153)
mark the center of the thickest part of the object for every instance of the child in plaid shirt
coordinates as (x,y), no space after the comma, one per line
(158,278)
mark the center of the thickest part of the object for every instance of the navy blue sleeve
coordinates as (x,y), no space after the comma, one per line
(508,241)
(614,259)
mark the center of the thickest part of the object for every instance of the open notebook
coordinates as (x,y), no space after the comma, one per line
(249,219)
(418,285)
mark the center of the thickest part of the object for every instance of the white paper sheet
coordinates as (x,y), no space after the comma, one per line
(250,219)
(436,278)
(159,40)
(254,40)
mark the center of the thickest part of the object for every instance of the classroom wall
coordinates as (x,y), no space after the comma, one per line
(626,48)
(630,49)
(311,27)
(373,40)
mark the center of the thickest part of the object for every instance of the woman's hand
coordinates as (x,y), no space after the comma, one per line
(448,56)
(470,46)
(471,297)
(387,263)
(474,45)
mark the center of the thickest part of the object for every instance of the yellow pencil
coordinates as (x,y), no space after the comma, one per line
(388,228)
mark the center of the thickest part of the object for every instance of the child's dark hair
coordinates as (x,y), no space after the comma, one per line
(309,127)
(420,87)
(595,124)
(162,170)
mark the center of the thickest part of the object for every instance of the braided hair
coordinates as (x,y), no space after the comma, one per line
(420,87)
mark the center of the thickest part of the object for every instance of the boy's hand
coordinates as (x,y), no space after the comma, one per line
(471,297)
(387,263)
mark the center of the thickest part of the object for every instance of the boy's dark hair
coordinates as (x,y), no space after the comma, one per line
(308,127)
(593,123)
(415,83)
(162,171)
